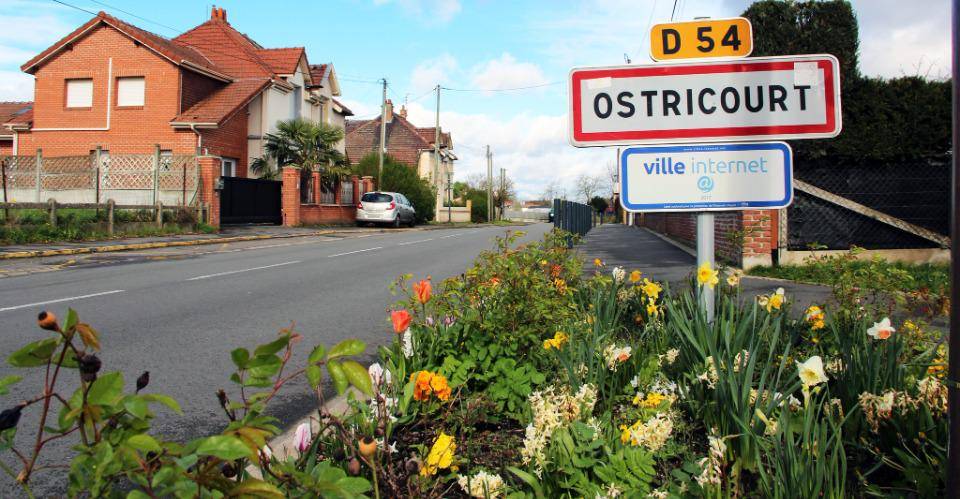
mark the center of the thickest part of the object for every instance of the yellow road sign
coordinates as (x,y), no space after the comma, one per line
(731,38)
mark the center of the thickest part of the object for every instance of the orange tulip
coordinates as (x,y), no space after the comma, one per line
(401,320)
(423,289)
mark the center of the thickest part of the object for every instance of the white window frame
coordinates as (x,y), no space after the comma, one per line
(78,93)
(228,165)
(131,91)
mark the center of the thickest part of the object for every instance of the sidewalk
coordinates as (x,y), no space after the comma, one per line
(662,260)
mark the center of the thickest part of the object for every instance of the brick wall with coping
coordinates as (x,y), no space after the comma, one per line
(209,174)
(290,196)
(757,229)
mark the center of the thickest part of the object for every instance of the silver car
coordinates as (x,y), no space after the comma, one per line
(390,208)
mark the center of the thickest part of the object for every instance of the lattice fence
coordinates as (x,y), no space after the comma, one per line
(132,179)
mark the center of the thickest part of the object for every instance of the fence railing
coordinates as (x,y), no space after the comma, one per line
(572,217)
(130,179)
(51,207)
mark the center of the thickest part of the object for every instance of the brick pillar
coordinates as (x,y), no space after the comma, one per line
(759,237)
(356,188)
(209,174)
(316,187)
(368,184)
(290,196)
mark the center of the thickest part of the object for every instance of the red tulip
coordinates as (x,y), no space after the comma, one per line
(401,320)
(422,290)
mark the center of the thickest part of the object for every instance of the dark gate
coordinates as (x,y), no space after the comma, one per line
(250,201)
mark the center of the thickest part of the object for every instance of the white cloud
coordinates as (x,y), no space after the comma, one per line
(15,86)
(506,72)
(900,38)
(430,72)
(429,11)
(35,31)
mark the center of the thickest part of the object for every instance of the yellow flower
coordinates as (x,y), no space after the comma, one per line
(561,286)
(651,289)
(440,456)
(733,280)
(652,400)
(774,301)
(635,276)
(652,309)
(556,342)
(597,262)
(814,317)
(707,276)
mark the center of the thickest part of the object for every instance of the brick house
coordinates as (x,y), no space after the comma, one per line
(11,112)
(211,89)
(405,142)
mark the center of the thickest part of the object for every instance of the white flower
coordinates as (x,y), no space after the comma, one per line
(407,344)
(611,492)
(618,274)
(615,355)
(482,485)
(392,448)
(811,372)
(389,404)
(635,382)
(881,330)
(378,375)
(302,437)
(265,453)
(659,494)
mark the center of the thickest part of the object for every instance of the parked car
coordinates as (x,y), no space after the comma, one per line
(550,216)
(390,208)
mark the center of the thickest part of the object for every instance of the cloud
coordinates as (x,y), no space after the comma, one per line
(430,72)
(34,31)
(429,11)
(898,38)
(506,72)
(15,86)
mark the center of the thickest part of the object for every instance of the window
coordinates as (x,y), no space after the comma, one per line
(130,91)
(297,101)
(80,93)
(228,167)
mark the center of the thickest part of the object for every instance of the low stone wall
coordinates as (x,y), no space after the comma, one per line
(322,214)
(452,214)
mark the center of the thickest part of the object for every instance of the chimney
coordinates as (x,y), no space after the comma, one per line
(218,13)
(388,112)
(223,14)
(403,112)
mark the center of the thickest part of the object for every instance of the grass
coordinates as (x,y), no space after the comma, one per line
(32,226)
(926,276)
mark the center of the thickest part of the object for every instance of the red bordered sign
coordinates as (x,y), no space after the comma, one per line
(793,97)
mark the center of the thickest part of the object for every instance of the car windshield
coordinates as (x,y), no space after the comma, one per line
(376,197)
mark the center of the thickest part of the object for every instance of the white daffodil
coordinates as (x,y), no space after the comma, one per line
(881,330)
(811,371)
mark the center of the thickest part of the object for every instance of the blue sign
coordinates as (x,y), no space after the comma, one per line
(709,177)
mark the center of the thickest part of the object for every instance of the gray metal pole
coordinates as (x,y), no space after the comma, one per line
(383,134)
(953,369)
(705,247)
(489,185)
(436,147)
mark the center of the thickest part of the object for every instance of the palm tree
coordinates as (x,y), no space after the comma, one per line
(305,145)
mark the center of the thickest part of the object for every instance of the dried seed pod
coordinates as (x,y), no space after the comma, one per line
(368,447)
(10,417)
(228,470)
(143,381)
(89,365)
(46,320)
(353,467)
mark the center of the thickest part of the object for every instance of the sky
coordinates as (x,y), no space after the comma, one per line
(477,47)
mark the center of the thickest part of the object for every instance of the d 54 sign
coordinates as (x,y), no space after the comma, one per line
(730,38)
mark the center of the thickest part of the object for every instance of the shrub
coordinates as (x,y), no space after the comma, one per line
(402,178)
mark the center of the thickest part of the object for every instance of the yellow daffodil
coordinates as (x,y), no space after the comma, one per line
(440,456)
(814,317)
(707,276)
(556,342)
(635,276)
(733,280)
(651,289)
(597,262)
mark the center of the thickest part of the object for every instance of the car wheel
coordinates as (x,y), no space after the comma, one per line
(413,222)
(396,222)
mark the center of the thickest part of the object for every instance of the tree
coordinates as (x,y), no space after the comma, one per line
(587,186)
(305,145)
(402,178)
(599,204)
(554,190)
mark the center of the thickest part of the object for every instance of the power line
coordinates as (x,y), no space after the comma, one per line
(177,30)
(502,89)
(674,11)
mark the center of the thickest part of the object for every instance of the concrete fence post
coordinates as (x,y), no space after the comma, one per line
(53,212)
(96,175)
(37,169)
(156,173)
(159,208)
(110,211)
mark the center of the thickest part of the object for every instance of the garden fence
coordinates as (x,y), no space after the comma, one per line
(572,217)
(128,179)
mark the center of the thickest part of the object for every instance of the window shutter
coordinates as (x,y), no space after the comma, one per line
(80,93)
(130,91)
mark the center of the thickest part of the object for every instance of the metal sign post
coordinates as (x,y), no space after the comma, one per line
(705,249)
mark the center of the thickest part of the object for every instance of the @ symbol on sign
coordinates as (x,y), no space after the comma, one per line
(705,184)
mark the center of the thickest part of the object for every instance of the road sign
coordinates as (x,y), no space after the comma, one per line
(707,177)
(793,97)
(728,38)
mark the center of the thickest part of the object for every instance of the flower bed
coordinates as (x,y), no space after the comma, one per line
(522,378)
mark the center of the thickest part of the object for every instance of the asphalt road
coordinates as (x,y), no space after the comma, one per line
(179,314)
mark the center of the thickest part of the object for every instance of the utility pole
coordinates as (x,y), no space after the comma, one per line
(953,364)
(383,134)
(503,190)
(449,196)
(489,185)
(436,151)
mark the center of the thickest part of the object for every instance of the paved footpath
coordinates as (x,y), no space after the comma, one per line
(664,260)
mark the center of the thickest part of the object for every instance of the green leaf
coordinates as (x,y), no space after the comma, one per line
(136,406)
(273,347)
(240,357)
(163,399)
(346,348)
(314,375)
(225,447)
(106,390)
(528,479)
(7,381)
(252,487)
(71,322)
(317,354)
(340,381)
(264,367)
(34,354)
(144,443)
(358,376)
(137,494)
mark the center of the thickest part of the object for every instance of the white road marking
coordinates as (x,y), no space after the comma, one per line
(218,274)
(59,300)
(458,234)
(357,251)
(414,242)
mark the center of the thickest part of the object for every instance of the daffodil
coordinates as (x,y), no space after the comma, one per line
(618,274)
(881,330)
(707,276)
(811,372)
(814,317)
(556,342)
(597,262)
(651,289)
(635,276)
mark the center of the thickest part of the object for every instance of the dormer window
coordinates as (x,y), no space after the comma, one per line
(80,93)
(130,91)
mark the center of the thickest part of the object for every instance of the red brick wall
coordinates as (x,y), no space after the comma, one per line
(757,228)
(132,130)
(209,173)
(290,196)
(230,140)
(319,214)
(6,147)
(194,88)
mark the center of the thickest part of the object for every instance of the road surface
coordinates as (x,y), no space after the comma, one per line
(178,314)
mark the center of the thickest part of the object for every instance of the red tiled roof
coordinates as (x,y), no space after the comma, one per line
(227,48)
(13,112)
(404,140)
(346,110)
(171,49)
(222,103)
(317,72)
(283,60)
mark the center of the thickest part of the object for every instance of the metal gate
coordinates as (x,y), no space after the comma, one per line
(250,201)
